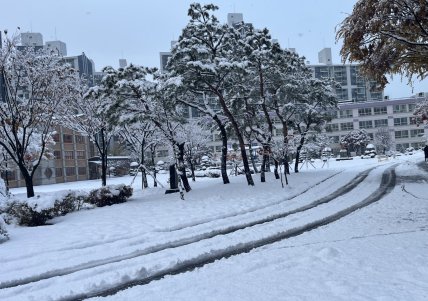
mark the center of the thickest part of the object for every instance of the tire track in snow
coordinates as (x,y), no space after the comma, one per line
(387,184)
(180,227)
(187,240)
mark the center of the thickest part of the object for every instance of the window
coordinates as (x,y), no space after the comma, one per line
(345,114)
(67,138)
(401,134)
(364,112)
(217,137)
(58,172)
(417,133)
(57,154)
(402,147)
(412,107)
(163,153)
(346,126)
(80,139)
(55,137)
(332,127)
(400,121)
(380,123)
(400,109)
(81,171)
(69,155)
(70,171)
(218,148)
(81,155)
(380,111)
(367,124)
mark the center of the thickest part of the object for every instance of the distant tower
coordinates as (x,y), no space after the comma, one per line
(31,39)
(324,56)
(57,47)
(122,63)
(234,18)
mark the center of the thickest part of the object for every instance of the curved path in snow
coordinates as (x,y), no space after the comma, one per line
(201,236)
(388,181)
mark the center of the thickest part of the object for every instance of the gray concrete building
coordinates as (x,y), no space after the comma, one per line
(394,114)
(354,87)
(57,47)
(31,39)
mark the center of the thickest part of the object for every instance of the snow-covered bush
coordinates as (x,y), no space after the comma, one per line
(37,210)
(213,173)
(28,214)
(3,233)
(3,198)
(109,195)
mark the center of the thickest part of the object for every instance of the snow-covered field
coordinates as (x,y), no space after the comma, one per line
(379,252)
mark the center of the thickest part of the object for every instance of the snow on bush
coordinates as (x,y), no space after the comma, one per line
(3,233)
(3,198)
(37,210)
(109,195)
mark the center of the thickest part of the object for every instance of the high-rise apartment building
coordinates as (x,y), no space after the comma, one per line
(353,86)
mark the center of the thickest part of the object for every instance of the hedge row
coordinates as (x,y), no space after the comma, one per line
(32,212)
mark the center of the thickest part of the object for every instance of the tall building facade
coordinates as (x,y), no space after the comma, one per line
(353,86)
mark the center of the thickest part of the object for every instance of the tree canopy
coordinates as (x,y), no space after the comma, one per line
(387,37)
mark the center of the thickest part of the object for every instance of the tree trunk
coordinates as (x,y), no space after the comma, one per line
(285,162)
(28,180)
(223,134)
(182,168)
(103,169)
(144,183)
(253,162)
(264,162)
(262,172)
(299,148)
(152,151)
(238,133)
(192,169)
(276,169)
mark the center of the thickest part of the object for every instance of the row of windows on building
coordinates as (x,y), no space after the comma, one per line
(68,138)
(397,134)
(70,155)
(406,108)
(369,124)
(70,171)
(11,175)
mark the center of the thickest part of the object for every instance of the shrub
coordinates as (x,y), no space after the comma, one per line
(28,215)
(3,232)
(72,201)
(109,195)
(37,210)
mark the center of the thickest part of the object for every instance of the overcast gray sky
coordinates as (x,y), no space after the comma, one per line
(107,30)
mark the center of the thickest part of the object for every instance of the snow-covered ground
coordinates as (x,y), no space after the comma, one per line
(379,252)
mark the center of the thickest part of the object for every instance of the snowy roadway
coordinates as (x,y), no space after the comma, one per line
(70,266)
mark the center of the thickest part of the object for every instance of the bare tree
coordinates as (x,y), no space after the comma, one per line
(36,85)
(382,140)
